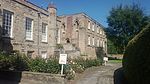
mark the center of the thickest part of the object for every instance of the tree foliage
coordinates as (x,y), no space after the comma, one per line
(124,22)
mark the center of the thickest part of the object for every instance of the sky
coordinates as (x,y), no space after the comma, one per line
(97,9)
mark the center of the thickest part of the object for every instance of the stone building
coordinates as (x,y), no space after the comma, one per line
(27,28)
(83,33)
(30,29)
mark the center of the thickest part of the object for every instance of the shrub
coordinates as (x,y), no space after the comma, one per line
(69,72)
(53,66)
(136,60)
(79,65)
(46,66)
(37,65)
(16,61)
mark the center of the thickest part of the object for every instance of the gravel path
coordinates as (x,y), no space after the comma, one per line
(97,75)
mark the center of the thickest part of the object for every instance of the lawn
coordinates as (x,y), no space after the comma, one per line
(116,61)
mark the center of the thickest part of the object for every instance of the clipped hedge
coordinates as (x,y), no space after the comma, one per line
(136,60)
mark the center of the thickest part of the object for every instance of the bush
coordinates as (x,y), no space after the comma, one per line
(16,61)
(20,62)
(69,72)
(46,66)
(79,65)
(136,60)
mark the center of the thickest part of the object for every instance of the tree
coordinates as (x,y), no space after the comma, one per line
(125,22)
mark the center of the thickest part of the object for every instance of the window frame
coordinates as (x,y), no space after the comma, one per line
(93,41)
(89,40)
(45,53)
(93,27)
(44,35)
(89,25)
(98,29)
(98,42)
(8,24)
(27,31)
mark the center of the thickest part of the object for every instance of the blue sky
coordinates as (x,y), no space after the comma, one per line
(97,9)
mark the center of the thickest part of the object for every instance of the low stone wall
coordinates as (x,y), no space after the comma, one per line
(11,77)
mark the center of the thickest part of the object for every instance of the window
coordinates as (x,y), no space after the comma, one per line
(44,32)
(93,41)
(89,25)
(63,27)
(29,29)
(100,31)
(93,27)
(101,43)
(7,23)
(89,40)
(98,43)
(44,54)
(30,53)
(97,29)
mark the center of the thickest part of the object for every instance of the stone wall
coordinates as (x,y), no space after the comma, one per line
(22,9)
(10,77)
(79,31)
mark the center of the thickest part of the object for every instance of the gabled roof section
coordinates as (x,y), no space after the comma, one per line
(85,15)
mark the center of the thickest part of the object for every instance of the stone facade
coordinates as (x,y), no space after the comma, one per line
(35,31)
(83,32)
(21,10)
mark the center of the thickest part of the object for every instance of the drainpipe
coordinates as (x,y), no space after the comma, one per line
(38,39)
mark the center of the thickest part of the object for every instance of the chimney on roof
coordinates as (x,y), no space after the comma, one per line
(51,5)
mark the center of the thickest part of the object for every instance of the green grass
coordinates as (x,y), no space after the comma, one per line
(116,61)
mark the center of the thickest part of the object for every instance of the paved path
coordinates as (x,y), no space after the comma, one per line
(98,75)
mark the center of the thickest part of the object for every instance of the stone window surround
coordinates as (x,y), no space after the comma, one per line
(93,27)
(97,42)
(29,28)
(44,32)
(7,23)
(44,54)
(89,40)
(30,53)
(98,29)
(89,25)
(93,41)
(101,31)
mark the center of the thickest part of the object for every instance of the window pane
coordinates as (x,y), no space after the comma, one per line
(44,32)
(44,54)
(7,20)
(29,29)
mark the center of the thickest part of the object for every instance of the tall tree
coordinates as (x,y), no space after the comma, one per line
(125,22)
